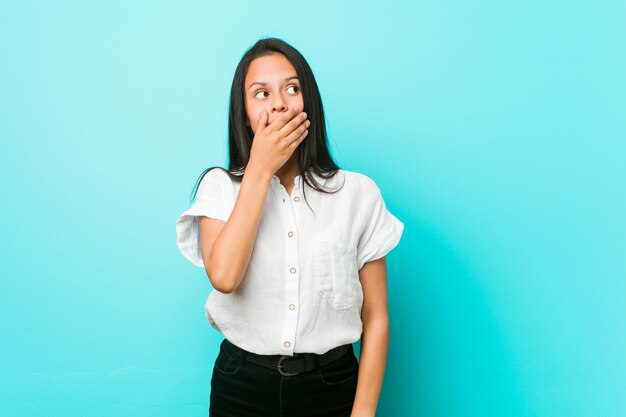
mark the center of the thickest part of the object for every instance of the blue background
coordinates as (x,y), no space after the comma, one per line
(495,131)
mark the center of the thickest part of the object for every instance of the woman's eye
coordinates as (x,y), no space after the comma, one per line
(297,89)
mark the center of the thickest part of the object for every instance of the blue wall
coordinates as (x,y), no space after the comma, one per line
(495,130)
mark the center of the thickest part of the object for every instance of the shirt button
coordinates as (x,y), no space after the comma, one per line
(287,344)
(283,200)
(296,199)
(292,270)
(290,234)
(292,306)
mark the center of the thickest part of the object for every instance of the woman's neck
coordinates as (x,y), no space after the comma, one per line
(288,172)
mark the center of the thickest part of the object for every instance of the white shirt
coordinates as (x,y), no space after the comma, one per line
(301,291)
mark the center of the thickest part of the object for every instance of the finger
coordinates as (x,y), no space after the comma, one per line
(262,122)
(293,145)
(299,120)
(282,120)
(296,134)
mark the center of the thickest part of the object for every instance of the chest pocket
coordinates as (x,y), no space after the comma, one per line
(336,273)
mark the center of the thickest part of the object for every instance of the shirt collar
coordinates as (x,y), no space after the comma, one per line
(298,178)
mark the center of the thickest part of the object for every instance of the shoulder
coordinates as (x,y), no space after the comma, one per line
(215,176)
(215,181)
(218,174)
(360,183)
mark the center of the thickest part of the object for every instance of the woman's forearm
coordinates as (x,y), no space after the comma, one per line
(230,254)
(373,359)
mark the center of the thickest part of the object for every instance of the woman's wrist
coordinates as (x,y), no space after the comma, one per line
(256,172)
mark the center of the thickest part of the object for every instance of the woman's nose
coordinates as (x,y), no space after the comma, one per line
(278,104)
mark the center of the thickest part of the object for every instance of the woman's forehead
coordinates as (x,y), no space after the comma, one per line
(270,68)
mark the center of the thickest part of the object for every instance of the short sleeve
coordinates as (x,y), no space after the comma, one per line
(214,200)
(381,230)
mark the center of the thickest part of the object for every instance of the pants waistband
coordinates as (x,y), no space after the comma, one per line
(288,365)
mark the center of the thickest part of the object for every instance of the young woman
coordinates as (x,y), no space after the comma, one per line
(294,248)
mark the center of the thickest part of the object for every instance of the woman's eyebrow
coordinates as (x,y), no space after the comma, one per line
(262,83)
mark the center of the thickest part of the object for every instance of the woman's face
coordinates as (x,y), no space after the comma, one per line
(271,84)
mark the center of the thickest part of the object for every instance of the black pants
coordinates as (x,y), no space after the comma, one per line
(240,388)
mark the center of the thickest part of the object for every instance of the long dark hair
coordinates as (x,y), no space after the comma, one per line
(313,153)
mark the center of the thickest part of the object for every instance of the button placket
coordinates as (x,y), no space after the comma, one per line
(292,274)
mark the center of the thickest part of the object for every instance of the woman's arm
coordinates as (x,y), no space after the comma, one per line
(227,246)
(375,338)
